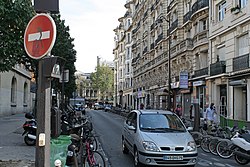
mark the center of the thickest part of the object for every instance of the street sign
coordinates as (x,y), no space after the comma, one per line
(39,36)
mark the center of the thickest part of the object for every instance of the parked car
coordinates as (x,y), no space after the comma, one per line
(158,137)
(98,106)
(107,107)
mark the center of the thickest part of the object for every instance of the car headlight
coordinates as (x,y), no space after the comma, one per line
(150,146)
(191,146)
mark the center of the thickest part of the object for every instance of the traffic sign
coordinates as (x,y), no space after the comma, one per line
(39,36)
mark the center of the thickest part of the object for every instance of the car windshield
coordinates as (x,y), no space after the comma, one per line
(160,123)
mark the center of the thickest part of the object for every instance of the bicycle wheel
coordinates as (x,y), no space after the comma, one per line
(225,149)
(212,145)
(197,136)
(204,143)
(96,159)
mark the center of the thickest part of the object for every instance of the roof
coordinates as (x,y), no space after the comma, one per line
(152,111)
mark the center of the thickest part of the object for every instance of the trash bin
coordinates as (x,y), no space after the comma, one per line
(58,149)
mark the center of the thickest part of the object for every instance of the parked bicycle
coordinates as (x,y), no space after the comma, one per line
(221,133)
(225,148)
(81,152)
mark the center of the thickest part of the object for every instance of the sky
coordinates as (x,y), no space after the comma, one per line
(91,24)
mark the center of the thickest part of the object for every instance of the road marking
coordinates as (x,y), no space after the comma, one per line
(39,36)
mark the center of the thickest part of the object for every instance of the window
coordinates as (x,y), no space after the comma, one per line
(203,25)
(221,10)
(243,3)
(221,53)
(25,93)
(128,38)
(13,90)
(243,45)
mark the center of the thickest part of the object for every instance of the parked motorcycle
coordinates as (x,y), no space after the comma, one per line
(242,152)
(30,127)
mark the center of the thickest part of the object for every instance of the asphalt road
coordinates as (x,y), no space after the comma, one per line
(109,127)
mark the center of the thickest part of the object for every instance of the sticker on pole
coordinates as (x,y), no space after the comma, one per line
(39,36)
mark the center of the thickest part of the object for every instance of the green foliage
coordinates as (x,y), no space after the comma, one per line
(14,17)
(103,79)
(64,48)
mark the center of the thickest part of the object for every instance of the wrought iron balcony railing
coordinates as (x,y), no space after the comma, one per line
(199,4)
(201,72)
(217,68)
(241,63)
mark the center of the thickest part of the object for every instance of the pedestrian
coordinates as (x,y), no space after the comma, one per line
(178,110)
(141,106)
(191,111)
(210,116)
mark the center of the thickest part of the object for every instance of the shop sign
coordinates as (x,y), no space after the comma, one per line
(198,83)
(184,79)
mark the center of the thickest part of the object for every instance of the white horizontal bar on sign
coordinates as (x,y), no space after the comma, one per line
(38,36)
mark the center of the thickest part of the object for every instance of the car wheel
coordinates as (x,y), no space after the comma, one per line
(136,159)
(124,147)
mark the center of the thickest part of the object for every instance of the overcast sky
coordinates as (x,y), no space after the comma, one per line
(91,24)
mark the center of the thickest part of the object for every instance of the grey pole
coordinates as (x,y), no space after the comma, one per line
(43,118)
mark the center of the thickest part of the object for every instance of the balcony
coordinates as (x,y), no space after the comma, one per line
(241,63)
(199,5)
(218,68)
(200,72)
(200,37)
(187,17)
(182,46)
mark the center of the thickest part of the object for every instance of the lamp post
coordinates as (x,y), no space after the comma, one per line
(160,20)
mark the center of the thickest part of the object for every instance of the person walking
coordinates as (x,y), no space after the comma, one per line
(178,111)
(210,116)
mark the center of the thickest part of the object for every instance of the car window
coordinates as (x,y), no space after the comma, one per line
(131,119)
(160,122)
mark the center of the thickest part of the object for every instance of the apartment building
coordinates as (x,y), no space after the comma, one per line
(229,80)
(122,61)
(206,44)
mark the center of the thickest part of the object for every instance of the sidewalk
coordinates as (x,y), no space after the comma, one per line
(13,151)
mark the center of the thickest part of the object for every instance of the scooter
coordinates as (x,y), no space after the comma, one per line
(242,151)
(29,127)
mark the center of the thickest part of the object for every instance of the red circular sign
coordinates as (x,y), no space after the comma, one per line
(39,36)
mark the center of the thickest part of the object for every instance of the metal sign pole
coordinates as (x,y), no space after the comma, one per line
(43,118)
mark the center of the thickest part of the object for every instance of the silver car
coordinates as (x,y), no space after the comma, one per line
(158,137)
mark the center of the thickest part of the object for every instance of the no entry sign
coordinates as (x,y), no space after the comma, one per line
(39,36)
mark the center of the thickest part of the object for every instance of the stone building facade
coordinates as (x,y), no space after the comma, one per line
(209,46)
(15,93)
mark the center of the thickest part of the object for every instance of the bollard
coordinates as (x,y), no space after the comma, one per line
(58,163)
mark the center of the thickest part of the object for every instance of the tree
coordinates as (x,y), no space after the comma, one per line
(64,48)
(103,80)
(14,17)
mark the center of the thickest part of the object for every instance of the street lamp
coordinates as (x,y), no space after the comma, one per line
(160,20)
